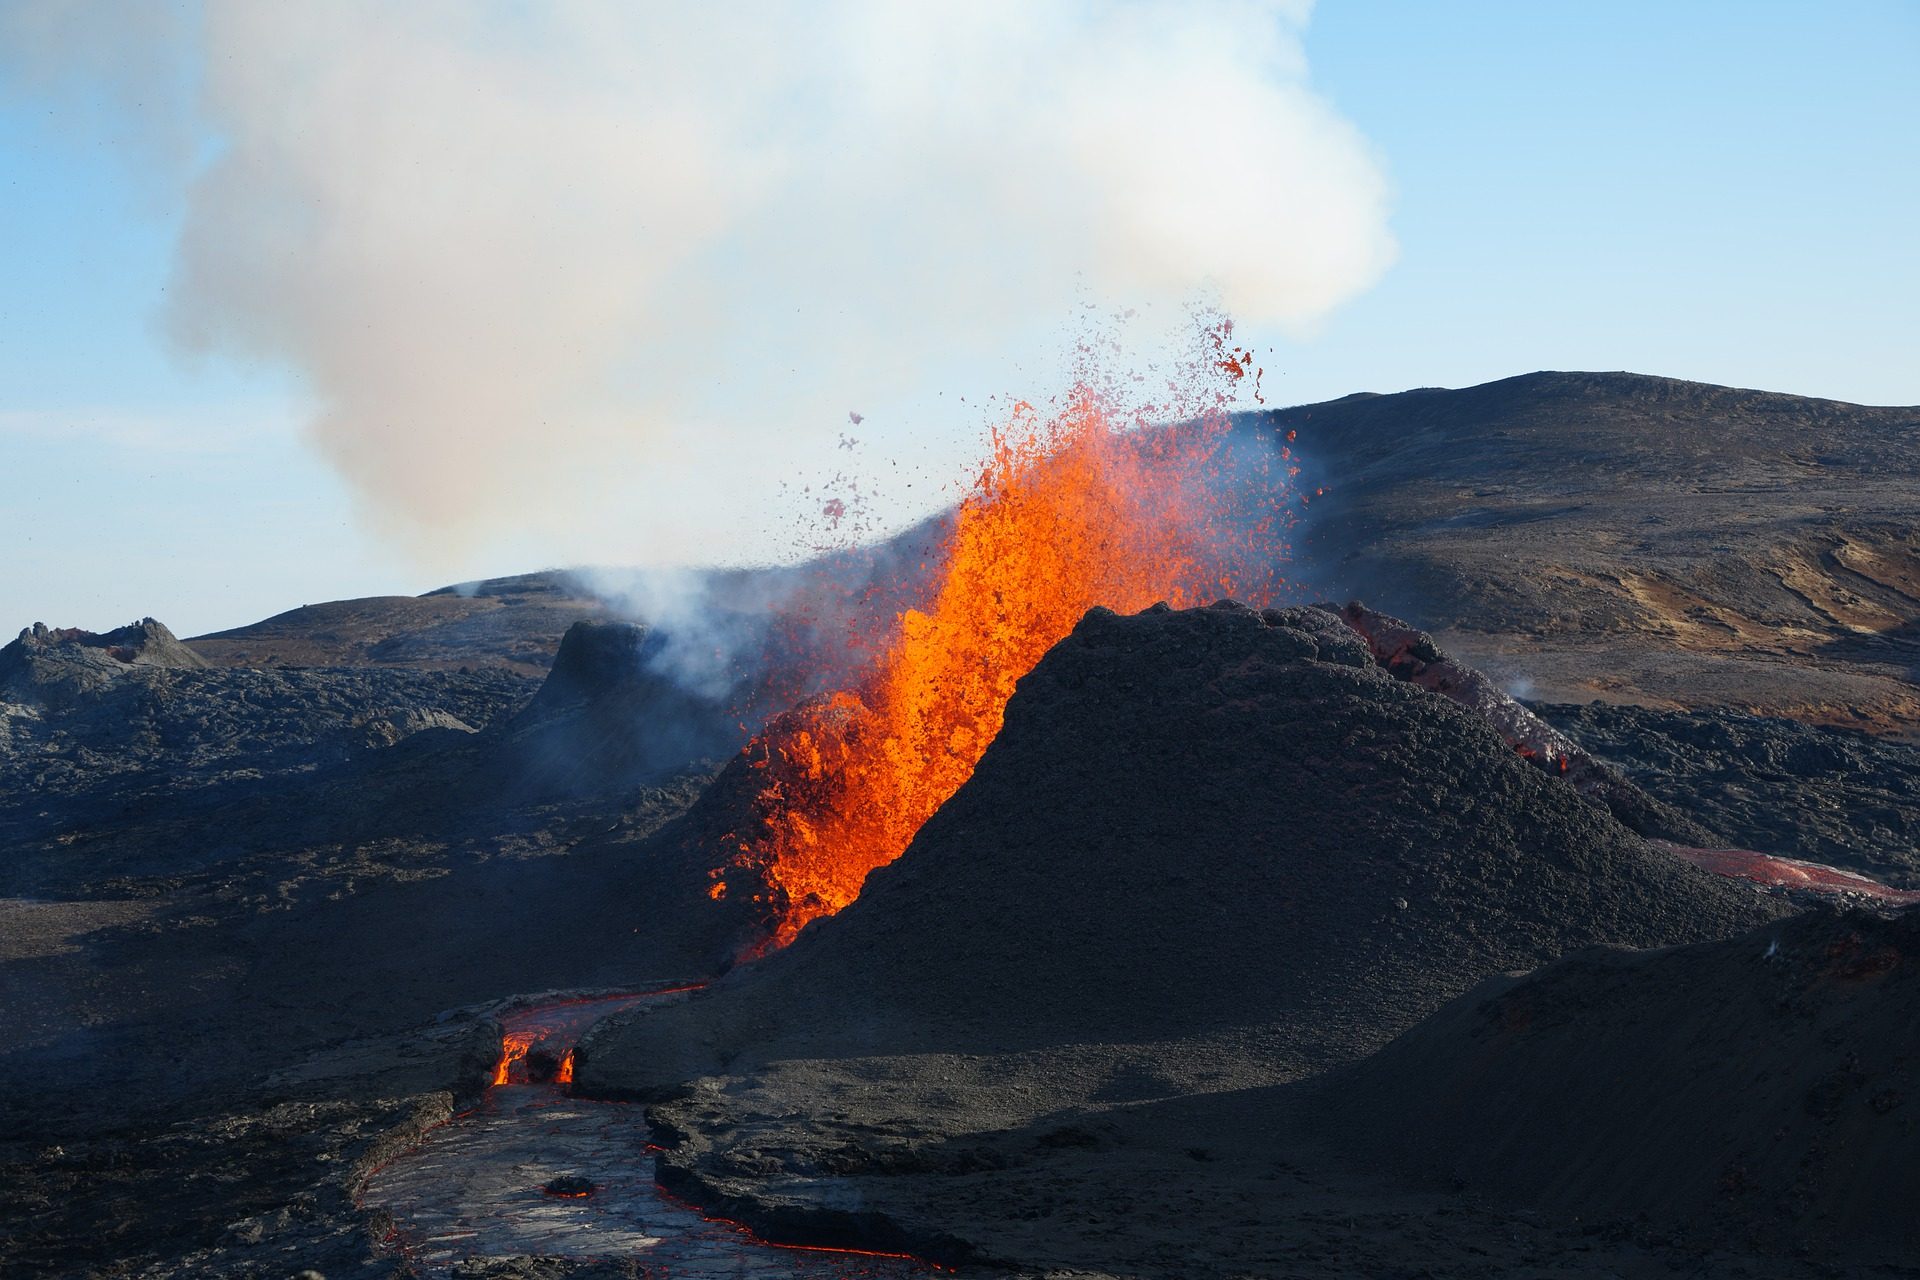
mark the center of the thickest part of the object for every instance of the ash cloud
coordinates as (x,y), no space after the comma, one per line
(532,262)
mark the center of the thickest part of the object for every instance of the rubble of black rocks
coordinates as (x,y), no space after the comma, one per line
(95,731)
(1837,796)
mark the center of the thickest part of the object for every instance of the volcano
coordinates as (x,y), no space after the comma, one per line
(57,663)
(1197,822)
(1210,852)
(604,719)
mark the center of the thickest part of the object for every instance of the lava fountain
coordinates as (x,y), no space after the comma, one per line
(1086,506)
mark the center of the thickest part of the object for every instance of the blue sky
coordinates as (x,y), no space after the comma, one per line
(1723,192)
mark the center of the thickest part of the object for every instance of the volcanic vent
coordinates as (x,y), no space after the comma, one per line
(56,663)
(1193,821)
(1080,509)
(603,719)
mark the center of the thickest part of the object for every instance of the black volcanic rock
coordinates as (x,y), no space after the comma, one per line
(608,718)
(595,659)
(1835,796)
(1764,1089)
(111,768)
(1193,822)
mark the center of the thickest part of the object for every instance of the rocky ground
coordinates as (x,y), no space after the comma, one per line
(1827,795)
(262,889)
(238,900)
(1634,539)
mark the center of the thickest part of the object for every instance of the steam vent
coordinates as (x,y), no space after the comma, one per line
(606,718)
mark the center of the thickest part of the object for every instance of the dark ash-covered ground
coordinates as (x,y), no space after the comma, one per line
(262,887)
(1753,1092)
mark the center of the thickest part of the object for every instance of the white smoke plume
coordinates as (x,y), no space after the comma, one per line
(532,260)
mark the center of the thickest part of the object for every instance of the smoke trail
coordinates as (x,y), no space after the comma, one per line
(531,258)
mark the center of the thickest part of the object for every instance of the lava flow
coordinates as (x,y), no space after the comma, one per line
(1070,511)
(534,1171)
(536,1046)
(1777,872)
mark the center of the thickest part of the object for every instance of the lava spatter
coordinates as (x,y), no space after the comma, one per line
(1081,508)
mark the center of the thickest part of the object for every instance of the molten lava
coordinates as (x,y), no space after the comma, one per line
(1069,512)
(1791,873)
(513,1048)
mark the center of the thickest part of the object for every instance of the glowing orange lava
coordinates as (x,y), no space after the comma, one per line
(1070,511)
(513,1047)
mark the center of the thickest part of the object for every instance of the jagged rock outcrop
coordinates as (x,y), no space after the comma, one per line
(52,664)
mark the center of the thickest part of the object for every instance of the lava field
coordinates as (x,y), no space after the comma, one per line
(1084,883)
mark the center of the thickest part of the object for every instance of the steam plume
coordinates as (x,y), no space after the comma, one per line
(524,255)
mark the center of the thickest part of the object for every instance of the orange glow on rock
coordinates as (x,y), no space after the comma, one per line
(1069,512)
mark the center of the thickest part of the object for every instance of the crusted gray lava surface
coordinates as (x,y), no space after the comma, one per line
(1805,791)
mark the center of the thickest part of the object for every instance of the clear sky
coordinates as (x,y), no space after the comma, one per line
(1727,192)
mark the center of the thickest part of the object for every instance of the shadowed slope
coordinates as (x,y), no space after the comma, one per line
(1757,1089)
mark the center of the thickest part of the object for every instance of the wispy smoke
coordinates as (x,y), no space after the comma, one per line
(521,254)
(700,642)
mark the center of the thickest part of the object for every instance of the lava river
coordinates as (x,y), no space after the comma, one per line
(534,1171)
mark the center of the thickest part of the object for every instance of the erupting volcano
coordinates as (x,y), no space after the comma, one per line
(1089,506)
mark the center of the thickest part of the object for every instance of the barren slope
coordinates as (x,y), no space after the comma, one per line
(1636,539)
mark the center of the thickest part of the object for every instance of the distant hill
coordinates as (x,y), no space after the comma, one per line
(514,623)
(1634,539)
